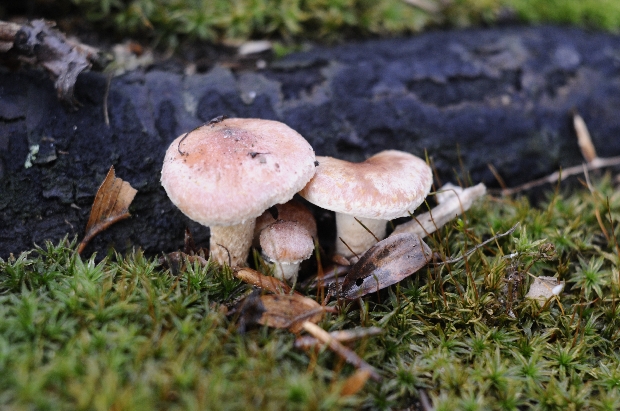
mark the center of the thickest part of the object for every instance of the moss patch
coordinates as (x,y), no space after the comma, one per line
(126,333)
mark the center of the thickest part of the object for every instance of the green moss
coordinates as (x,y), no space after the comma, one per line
(170,21)
(127,334)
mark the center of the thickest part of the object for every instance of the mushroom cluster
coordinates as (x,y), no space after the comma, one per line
(227,173)
(224,175)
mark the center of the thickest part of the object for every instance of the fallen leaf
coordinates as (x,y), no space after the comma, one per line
(386,263)
(543,288)
(289,311)
(110,206)
(355,383)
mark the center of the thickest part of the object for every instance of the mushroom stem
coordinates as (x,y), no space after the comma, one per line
(285,271)
(234,239)
(356,236)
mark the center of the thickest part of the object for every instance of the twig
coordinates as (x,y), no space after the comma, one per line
(561,175)
(347,354)
(452,206)
(469,252)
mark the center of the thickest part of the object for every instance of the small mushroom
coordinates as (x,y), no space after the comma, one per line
(290,211)
(388,185)
(226,173)
(285,244)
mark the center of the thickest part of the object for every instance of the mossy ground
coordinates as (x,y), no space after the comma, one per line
(127,334)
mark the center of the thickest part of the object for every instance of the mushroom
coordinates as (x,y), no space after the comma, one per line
(388,185)
(226,173)
(285,244)
(290,211)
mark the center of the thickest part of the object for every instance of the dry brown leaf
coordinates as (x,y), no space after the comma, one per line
(355,383)
(385,263)
(289,311)
(264,282)
(110,206)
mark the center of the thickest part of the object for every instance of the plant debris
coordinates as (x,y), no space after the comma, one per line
(38,43)
(347,354)
(453,201)
(111,205)
(278,311)
(265,282)
(544,288)
(386,263)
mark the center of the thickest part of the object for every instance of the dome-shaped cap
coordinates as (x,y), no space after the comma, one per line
(231,171)
(388,185)
(286,242)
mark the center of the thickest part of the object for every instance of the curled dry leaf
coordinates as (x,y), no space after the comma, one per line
(110,206)
(386,263)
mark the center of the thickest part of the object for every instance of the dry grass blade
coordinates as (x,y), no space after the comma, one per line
(583,138)
(289,311)
(267,283)
(110,206)
(347,354)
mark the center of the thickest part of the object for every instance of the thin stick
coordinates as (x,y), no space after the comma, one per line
(468,253)
(431,221)
(106,117)
(557,176)
(347,245)
(366,228)
(347,354)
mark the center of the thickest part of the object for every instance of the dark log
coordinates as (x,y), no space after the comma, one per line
(501,96)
